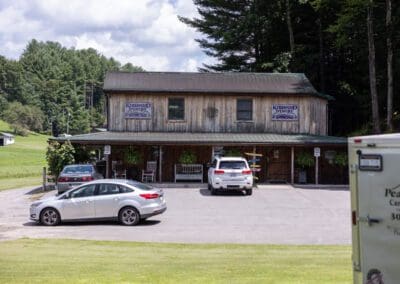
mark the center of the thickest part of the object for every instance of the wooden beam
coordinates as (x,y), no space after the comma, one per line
(160,153)
(292,165)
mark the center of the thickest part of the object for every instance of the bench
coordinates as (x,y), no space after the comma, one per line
(192,172)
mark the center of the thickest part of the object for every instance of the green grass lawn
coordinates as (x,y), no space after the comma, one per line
(73,261)
(21,163)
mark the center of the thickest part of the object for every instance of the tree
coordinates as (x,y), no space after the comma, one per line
(24,117)
(372,71)
(242,35)
(66,84)
(58,156)
(389,44)
(290,27)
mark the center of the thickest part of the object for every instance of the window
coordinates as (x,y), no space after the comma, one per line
(226,165)
(176,109)
(244,109)
(105,189)
(84,191)
(124,189)
(139,185)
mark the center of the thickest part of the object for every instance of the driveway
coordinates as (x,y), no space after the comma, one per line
(274,214)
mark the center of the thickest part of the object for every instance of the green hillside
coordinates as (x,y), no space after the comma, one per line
(21,163)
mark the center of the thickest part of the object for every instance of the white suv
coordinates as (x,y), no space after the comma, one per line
(230,173)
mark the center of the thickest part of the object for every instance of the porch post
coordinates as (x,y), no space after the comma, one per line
(160,152)
(292,165)
(107,166)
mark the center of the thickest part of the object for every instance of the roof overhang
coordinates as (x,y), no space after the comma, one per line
(210,139)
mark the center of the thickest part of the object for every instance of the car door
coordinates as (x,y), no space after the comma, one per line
(107,200)
(79,203)
(379,214)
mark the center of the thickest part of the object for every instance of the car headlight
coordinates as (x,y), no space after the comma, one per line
(36,204)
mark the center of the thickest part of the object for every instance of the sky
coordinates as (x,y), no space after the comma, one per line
(146,33)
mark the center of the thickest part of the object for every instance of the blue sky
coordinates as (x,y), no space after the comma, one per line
(146,33)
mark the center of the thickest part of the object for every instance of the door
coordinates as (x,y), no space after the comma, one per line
(80,204)
(379,215)
(107,200)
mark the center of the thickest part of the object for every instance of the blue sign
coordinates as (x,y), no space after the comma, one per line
(138,110)
(285,112)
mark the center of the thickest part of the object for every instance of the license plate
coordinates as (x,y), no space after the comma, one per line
(233,175)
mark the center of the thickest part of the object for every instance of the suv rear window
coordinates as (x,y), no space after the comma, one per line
(232,165)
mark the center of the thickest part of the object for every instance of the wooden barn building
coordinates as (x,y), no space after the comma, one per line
(159,120)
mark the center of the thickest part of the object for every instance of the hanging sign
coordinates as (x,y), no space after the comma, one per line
(285,112)
(317,152)
(138,110)
(107,149)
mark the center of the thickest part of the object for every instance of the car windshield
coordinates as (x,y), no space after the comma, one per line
(232,165)
(139,185)
(77,169)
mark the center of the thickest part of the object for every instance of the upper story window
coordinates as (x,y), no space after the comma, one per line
(176,109)
(244,109)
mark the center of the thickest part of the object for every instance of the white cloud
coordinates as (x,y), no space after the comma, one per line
(144,32)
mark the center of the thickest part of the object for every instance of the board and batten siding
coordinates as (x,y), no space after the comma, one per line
(217,113)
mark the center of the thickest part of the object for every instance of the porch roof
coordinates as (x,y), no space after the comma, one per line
(174,138)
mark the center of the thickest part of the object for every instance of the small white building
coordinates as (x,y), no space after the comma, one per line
(6,139)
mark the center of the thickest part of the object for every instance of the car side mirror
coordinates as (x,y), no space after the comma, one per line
(66,196)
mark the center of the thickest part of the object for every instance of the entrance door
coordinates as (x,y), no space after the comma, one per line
(379,215)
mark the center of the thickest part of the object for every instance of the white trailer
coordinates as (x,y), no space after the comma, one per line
(374,165)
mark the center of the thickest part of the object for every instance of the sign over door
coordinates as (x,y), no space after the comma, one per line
(138,110)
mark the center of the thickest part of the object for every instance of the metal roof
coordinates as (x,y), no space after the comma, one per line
(175,138)
(5,134)
(227,82)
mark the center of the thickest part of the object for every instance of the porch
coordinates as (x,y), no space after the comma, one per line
(277,163)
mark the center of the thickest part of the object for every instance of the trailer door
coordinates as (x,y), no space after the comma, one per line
(379,214)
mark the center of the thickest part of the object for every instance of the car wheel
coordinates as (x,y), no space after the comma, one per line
(209,187)
(249,191)
(214,191)
(129,216)
(50,217)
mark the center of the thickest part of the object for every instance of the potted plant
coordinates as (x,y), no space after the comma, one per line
(133,158)
(341,160)
(304,160)
(187,157)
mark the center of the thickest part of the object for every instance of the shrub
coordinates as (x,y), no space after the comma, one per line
(340,159)
(305,160)
(187,157)
(58,156)
(132,156)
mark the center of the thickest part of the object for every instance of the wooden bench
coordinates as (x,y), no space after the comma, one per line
(192,172)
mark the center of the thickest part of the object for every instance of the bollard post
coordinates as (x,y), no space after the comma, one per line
(44,179)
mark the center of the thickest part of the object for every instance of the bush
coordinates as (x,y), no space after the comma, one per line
(26,117)
(305,160)
(187,157)
(340,159)
(58,156)
(132,156)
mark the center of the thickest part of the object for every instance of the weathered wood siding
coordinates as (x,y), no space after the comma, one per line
(199,110)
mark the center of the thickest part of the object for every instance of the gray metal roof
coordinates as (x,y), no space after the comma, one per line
(5,134)
(174,138)
(228,82)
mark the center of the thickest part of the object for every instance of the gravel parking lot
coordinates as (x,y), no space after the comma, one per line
(274,214)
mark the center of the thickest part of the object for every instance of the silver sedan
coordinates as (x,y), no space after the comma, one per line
(123,200)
